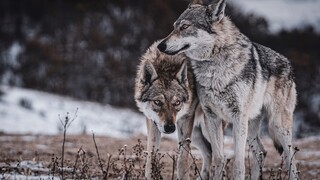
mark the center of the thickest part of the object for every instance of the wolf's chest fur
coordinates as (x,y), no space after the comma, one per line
(212,76)
(222,83)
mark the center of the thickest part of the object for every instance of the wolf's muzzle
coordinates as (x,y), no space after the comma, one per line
(162,46)
(169,128)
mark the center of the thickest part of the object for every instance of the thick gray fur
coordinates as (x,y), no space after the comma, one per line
(238,81)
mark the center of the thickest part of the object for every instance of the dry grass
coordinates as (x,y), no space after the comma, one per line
(87,157)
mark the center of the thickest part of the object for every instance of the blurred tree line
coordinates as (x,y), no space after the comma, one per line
(90,49)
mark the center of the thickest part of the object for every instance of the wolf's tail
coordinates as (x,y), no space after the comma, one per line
(278,146)
(275,134)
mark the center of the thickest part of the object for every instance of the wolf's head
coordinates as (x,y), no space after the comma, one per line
(197,30)
(162,89)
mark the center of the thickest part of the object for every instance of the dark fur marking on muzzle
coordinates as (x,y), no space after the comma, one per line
(176,52)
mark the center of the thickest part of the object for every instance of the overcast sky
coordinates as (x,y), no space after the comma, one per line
(285,14)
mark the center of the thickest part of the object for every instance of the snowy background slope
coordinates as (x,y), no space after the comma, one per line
(92,54)
(30,111)
(284,14)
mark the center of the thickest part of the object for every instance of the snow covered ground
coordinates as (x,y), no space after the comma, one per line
(29,111)
(284,14)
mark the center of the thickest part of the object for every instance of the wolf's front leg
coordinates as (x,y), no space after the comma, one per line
(153,142)
(185,127)
(215,131)
(240,132)
(256,147)
(204,147)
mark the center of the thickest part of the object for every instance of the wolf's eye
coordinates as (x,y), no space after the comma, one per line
(184,26)
(157,102)
(177,103)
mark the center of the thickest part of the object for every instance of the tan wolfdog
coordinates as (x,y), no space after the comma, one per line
(165,93)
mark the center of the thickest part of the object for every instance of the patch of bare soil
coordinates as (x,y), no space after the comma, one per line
(39,157)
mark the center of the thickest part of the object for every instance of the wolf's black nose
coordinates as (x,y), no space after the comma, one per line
(169,128)
(162,46)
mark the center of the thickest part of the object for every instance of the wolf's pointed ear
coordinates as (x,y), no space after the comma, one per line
(182,74)
(215,11)
(148,72)
(195,2)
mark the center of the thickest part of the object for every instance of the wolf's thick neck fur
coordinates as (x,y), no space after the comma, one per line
(226,38)
(225,33)
(224,59)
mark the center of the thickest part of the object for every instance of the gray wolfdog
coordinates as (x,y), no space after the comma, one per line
(165,93)
(237,81)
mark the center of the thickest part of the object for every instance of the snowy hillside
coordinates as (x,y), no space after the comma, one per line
(284,14)
(29,111)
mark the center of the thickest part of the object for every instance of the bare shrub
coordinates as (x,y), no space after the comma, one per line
(25,103)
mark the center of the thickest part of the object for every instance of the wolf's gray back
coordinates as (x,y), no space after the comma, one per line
(273,63)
